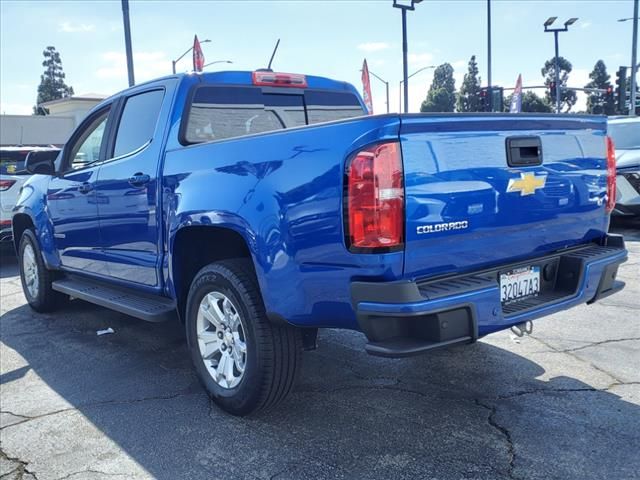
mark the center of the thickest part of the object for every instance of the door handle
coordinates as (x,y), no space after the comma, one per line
(85,187)
(139,179)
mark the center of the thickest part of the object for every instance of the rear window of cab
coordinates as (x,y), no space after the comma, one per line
(219,112)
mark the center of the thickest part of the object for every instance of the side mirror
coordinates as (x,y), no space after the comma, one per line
(41,162)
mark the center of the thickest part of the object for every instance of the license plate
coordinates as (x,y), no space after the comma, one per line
(519,283)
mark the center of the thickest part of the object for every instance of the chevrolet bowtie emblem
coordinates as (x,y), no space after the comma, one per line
(527,184)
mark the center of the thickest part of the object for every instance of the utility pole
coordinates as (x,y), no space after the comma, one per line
(405,68)
(634,59)
(489,47)
(127,41)
(557,76)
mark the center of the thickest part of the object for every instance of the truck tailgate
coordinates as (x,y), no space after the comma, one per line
(467,208)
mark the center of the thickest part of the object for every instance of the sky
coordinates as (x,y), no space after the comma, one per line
(320,37)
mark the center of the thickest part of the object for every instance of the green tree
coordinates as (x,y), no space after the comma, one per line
(597,102)
(469,95)
(52,84)
(568,98)
(531,103)
(442,93)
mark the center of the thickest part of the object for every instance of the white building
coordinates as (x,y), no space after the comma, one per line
(53,129)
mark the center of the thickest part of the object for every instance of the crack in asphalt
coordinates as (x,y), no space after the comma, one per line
(98,472)
(504,432)
(595,344)
(20,469)
(595,367)
(28,418)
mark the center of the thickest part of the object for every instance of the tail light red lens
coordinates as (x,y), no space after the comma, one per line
(6,184)
(375,199)
(611,174)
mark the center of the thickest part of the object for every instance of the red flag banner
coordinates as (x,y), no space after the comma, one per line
(198,56)
(366,87)
(516,98)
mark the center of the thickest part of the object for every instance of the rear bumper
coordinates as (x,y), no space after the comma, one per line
(408,318)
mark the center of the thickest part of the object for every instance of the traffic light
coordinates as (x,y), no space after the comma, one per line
(552,90)
(484,100)
(621,90)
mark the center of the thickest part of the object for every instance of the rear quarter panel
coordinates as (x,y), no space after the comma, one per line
(282,192)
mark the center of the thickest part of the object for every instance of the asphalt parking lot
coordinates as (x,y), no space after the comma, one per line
(563,403)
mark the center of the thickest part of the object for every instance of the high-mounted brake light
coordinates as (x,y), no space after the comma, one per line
(611,175)
(375,199)
(6,185)
(273,79)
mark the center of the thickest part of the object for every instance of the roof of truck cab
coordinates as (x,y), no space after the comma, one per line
(245,78)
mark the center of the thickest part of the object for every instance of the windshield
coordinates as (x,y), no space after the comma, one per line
(12,162)
(626,136)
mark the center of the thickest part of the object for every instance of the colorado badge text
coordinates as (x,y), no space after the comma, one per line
(527,184)
(442,227)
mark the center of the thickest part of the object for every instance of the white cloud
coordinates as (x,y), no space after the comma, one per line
(69,27)
(373,46)
(146,65)
(586,24)
(420,59)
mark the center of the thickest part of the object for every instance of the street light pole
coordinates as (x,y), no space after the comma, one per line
(174,62)
(489,44)
(405,83)
(557,69)
(634,59)
(217,61)
(556,31)
(386,85)
(404,7)
(127,41)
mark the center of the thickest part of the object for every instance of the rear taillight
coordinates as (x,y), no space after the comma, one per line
(375,199)
(6,184)
(611,174)
(273,79)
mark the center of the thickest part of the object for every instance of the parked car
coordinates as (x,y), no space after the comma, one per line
(257,207)
(625,132)
(12,176)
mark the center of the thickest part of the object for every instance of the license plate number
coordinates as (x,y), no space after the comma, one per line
(519,283)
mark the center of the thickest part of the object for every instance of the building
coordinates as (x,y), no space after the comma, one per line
(53,129)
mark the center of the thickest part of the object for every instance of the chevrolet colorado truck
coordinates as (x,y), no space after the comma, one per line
(257,207)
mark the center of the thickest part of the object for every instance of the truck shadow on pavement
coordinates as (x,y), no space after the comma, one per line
(74,403)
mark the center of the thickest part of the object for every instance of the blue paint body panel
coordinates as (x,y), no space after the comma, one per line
(282,192)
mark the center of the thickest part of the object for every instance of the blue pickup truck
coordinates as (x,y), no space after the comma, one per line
(257,207)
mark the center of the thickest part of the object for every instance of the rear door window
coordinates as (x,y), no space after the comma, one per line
(219,112)
(138,122)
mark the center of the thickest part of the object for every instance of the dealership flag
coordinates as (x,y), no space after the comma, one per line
(366,87)
(516,98)
(198,56)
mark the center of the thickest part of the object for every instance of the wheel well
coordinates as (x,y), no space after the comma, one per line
(198,246)
(19,224)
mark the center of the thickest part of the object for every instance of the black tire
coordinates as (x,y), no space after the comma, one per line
(273,352)
(46,299)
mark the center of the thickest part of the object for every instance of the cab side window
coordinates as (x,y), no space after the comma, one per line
(86,149)
(138,122)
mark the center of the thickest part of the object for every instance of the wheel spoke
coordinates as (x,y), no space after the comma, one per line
(210,344)
(210,315)
(228,369)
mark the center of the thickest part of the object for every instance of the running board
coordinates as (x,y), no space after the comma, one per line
(151,308)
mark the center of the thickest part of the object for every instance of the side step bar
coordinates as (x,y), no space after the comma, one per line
(144,306)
